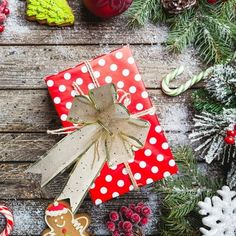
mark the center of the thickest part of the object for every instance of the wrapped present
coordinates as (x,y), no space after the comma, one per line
(151,162)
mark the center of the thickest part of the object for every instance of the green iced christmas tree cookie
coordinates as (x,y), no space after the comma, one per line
(51,12)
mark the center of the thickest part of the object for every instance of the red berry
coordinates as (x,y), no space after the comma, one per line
(129,213)
(135,218)
(114,216)
(144,221)
(2,28)
(141,204)
(128,234)
(6,11)
(120,224)
(146,211)
(132,206)
(229,140)
(116,233)
(111,226)
(138,209)
(231,133)
(123,209)
(127,226)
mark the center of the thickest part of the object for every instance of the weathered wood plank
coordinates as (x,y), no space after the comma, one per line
(24,66)
(87,30)
(33,111)
(29,215)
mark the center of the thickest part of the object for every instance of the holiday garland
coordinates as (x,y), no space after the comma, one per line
(210,27)
(181,194)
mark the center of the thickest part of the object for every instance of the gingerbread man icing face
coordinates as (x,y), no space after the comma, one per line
(62,222)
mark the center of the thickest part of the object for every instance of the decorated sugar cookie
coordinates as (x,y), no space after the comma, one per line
(50,12)
(62,222)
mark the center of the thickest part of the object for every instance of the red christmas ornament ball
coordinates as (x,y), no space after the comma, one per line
(2,28)
(229,140)
(212,1)
(107,8)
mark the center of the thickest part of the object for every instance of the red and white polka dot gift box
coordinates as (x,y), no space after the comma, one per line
(155,160)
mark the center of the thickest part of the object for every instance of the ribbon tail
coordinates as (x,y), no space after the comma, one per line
(84,174)
(65,153)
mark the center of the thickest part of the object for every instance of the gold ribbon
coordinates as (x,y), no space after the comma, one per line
(104,130)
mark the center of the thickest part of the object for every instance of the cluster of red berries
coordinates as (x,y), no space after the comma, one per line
(4,12)
(230,136)
(128,220)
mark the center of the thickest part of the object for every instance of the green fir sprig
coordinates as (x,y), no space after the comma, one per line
(210,28)
(180,195)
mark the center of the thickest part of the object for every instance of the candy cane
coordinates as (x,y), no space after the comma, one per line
(182,88)
(9,217)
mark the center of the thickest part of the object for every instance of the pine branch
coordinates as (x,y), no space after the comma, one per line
(181,194)
(141,12)
(210,46)
(182,33)
(231,177)
(210,130)
(203,102)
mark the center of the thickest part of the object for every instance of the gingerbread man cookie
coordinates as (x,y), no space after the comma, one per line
(62,222)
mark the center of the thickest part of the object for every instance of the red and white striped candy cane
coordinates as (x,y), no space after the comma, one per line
(10,222)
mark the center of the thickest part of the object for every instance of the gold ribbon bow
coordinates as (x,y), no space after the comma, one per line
(105,132)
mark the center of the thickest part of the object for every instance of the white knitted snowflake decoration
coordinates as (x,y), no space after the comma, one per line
(220,214)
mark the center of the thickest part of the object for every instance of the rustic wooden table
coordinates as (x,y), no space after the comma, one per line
(28,52)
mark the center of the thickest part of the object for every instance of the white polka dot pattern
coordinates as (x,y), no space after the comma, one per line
(50,83)
(137,176)
(119,55)
(57,100)
(120,84)
(165,146)
(139,106)
(108,178)
(67,76)
(153,140)
(113,67)
(115,194)
(68,105)
(142,164)
(125,72)
(63,117)
(147,152)
(160,157)
(103,190)
(132,89)
(131,60)
(79,81)
(120,183)
(98,201)
(101,62)
(108,79)
(62,88)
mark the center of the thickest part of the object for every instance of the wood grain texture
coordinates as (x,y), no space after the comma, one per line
(24,67)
